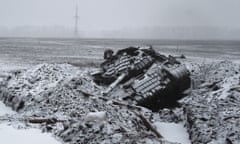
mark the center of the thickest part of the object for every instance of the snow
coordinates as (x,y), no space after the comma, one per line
(10,135)
(173,132)
(229,83)
(5,110)
(95,116)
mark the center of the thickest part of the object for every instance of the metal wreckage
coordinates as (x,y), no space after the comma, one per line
(142,76)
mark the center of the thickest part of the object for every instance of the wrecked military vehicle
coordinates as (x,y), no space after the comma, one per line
(142,76)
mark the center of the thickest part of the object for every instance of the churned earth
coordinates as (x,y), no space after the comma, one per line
(58,97)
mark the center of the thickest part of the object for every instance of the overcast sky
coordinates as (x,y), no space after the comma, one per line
(120,14)
(115,14)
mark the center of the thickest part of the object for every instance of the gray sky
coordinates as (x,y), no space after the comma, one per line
(121,14)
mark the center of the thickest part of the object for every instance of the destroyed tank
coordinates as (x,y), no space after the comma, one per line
(142,76)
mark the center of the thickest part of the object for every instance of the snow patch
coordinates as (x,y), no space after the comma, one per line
(229,83)
(5,110)
(10,135)
(173,132)
(95,116)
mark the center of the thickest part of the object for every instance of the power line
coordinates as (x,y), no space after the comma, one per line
(76,22)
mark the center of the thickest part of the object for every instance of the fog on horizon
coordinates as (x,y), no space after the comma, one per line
(196,19)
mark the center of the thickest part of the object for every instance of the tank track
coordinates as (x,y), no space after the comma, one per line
(160,85)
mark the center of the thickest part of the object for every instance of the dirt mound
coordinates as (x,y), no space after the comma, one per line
(68,94)
(212,110)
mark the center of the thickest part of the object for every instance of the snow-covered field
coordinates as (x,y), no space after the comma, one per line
(22,52)
(17,54)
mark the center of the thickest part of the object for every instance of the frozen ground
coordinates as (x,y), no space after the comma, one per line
(24,53)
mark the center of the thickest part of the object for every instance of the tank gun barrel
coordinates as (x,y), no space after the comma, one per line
(115,83)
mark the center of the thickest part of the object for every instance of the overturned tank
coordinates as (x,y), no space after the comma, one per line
(142,76)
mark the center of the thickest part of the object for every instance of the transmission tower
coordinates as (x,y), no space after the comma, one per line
(76,22)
